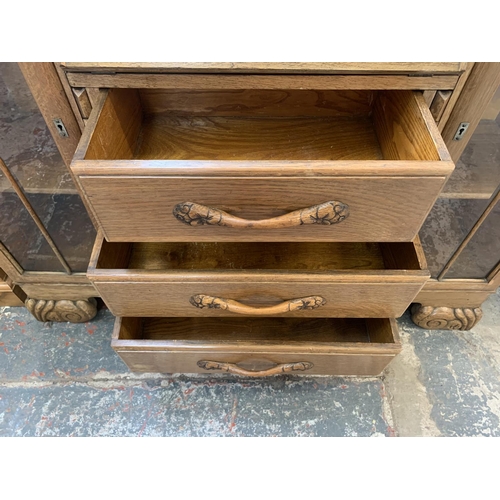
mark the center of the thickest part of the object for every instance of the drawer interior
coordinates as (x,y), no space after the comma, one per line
(260,330)
(332,125)
(308,257)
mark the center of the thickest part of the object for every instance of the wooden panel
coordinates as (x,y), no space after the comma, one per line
(342,299)
(125,211)
(10,295)
(9,299)
(59,291)
(330,345)
(346,103)
(93,94)
(83,101)
(117,125)
(439,103)
(269,67)
(249,330)
(405,128)
(402,256)
(109,255)
(259,169)
(252,256)
(47,90)
(233,138)
(480,87)
(452,298)
(69,94)
(266,82)
(456,94)
(429,96)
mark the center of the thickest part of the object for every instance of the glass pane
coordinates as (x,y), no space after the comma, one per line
(482,253)
(448,223)
(31,154)
(21,237)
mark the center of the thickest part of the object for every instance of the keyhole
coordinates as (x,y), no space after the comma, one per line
(462,128)
(60,127)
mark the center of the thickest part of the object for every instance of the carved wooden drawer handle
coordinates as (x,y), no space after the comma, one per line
(300,366)
(304,303)
(326,214)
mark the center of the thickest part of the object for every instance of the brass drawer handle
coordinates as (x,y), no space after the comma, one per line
(299,366)
(326,214)
(302,304)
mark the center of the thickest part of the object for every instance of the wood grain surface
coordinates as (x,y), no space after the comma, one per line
(83,100)
(462,80)
(343,299)
(476,94)
(247,256)
(346,103)
(202,301)
(115,128)
(355,279)
(335,347)
(60,291)
(264,82)
(135,258)
(324,214)
(254,138)
(69,94)
(439,104)
(10,294)
(268,330)
(271,67)
(134,208)
(406,129)
(48,92)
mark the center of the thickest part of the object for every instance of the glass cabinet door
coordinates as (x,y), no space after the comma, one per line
(32,157)
(469,191)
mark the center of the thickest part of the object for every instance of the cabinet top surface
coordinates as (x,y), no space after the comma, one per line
(270,67)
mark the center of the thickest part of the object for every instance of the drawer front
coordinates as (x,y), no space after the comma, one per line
(258,363)
(134,208)
(284,298)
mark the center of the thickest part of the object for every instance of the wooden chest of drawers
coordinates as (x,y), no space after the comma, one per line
(259,230)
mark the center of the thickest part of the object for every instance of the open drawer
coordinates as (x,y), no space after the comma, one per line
(260,165)
(258,279)
(257,347)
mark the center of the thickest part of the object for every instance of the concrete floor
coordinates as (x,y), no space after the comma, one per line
(61,379)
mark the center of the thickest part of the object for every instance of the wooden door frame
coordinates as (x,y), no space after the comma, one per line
(53,97)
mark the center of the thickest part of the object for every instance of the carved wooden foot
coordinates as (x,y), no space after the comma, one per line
(445,318)
(75,311)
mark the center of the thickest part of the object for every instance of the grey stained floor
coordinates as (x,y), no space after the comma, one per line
(61,379)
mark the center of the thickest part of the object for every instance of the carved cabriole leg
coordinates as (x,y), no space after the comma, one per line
(445,318)
(75,311)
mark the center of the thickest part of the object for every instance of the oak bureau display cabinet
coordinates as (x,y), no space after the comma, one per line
(260,218)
